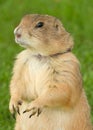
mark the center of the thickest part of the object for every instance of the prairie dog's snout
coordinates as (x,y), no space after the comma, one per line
(20,36)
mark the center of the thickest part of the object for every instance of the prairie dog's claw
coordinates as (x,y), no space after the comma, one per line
(39,112)
(13,114)
(17,109)
(34,111)
(14,106)
(32,114)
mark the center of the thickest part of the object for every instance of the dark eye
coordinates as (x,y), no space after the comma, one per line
(39,25)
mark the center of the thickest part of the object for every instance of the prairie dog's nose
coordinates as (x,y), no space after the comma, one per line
(17,32)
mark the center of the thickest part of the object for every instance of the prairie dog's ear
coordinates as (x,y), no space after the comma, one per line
(58,25)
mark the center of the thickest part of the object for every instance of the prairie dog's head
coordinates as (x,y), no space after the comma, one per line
(43,34)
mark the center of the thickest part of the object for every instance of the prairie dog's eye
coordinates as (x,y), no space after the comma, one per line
(39,24)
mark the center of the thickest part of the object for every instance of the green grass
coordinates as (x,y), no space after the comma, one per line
(77,17)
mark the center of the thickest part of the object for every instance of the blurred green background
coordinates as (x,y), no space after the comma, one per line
(77,17)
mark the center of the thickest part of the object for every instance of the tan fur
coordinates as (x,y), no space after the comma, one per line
(47,77)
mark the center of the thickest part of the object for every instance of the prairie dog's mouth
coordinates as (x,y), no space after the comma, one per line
(20,41)
(17,40)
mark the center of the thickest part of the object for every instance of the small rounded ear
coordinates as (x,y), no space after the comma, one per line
(58,25)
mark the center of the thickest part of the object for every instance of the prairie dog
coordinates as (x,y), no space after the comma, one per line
(46,86)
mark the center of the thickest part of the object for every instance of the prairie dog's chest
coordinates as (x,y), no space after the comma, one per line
(38,67)
(38,73)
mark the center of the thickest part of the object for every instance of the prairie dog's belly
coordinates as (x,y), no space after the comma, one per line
(39,75)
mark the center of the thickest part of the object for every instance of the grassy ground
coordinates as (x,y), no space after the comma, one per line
(77,17)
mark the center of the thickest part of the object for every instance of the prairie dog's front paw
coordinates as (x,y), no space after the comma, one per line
(34,109)
(14,106)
